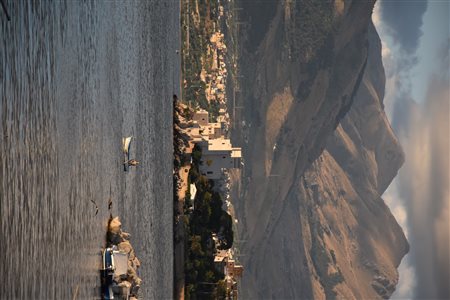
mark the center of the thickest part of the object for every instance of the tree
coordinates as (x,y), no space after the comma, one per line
(196,247)
(226,231)
(220,292)
(216,212)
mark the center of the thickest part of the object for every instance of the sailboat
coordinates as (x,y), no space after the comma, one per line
(126,145)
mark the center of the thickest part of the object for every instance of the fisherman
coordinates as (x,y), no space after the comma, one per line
(133,162)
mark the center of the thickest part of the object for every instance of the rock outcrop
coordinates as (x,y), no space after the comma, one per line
(129,283)
(319,152)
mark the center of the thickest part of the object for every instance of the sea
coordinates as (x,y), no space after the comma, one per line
(75,78)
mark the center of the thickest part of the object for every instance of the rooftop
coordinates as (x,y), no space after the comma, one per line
(236,152)
(220,145)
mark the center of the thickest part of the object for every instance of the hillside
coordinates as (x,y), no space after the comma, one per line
(319,153)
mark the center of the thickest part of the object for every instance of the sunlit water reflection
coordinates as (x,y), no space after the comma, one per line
(74,78)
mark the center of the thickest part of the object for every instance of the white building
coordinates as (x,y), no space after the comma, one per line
(217,152)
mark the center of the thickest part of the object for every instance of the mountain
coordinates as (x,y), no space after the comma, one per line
(319,152)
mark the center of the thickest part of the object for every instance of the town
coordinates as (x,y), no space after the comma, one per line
(206,156)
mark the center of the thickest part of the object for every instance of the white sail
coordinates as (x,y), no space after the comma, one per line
(126,144)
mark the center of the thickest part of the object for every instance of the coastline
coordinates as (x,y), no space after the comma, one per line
(208,69)
(179,185)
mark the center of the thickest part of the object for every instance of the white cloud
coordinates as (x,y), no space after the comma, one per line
(407,276)
(397,207)
(419,196)
(424,186)
(376,17)
(386,52)
(407,273)
(407,281)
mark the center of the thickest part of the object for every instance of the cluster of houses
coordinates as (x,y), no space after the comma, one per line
(218,154)
(226,264)
(217,73)
(216,76)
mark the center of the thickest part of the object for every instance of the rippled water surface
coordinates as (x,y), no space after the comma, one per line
(74,78)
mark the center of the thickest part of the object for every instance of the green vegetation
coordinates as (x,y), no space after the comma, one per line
(310,39)
(197,27)
(310,28)
(202,280)
(205,216)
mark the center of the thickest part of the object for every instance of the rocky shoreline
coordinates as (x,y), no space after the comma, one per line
(179,145)
(128,283)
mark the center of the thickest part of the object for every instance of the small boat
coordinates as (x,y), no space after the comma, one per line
(107,274)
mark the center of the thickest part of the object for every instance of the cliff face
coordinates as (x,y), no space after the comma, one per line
(312,221)
(343,215)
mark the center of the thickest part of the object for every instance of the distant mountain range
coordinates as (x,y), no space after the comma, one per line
(319,153)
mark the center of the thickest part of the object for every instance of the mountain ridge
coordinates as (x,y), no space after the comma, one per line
(300,132)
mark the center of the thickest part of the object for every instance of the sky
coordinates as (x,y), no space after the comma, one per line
(415,39)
